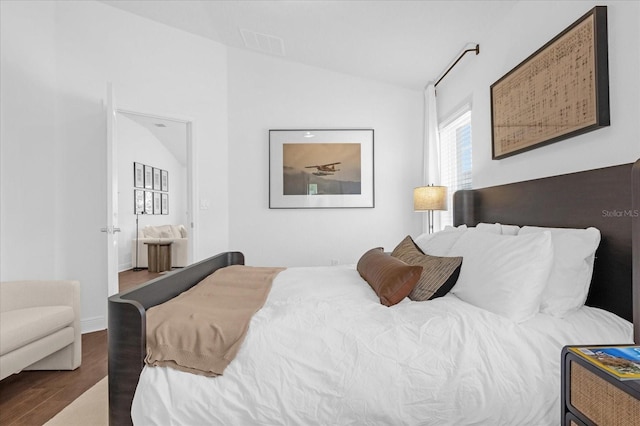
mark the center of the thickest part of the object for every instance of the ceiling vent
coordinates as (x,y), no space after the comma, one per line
(264,43)
(160,125)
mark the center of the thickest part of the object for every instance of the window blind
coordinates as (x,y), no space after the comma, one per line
(455,157)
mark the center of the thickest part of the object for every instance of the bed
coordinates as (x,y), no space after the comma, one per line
(354,361)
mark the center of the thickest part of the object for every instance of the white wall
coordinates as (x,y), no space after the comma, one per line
(138,144)
(529,26)
(56,61)
(28,142)
(269,93)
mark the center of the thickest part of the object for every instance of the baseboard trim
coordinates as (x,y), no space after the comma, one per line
(89,325)
(125,267)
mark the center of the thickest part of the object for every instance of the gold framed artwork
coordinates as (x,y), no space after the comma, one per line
(560,91)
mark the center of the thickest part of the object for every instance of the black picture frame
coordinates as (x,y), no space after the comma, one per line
(558,92)
(157,206)
(165,203)
(165,181)
(148,202)
(138,175)
(157,184)
(138,201)
(148,177)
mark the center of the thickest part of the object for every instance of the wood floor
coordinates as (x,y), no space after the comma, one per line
(129,279)
(31,398)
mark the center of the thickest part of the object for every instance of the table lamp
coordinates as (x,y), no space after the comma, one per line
(430,198)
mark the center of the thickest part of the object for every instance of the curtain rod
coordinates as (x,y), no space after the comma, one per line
(475,49)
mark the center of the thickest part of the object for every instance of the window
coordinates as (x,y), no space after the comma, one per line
(455,157)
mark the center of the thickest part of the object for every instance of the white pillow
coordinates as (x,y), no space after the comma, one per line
(439,243)
(151,231)
(175,230)
(503,274)
(498,228)
(494,228)
(459,228)
(510,229)
(574,253)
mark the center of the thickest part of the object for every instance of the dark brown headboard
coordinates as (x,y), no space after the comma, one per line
(601,198)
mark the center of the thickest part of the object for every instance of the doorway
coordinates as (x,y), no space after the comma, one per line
(164,145)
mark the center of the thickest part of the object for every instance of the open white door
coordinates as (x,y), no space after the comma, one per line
(112,229)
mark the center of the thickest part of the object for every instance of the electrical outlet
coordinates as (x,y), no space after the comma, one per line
(335,262)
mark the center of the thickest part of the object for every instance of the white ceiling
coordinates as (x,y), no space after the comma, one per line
(171,133)
(404,43)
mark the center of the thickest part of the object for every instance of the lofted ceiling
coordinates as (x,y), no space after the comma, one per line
(171,133)
(403,43)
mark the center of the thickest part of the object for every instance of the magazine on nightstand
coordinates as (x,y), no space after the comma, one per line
(623,362)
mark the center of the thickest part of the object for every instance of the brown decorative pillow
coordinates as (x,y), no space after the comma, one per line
(439,274)
(390,278)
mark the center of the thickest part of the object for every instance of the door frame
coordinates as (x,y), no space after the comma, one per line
(112,176)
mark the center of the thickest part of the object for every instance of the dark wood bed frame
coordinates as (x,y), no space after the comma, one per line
(607,198)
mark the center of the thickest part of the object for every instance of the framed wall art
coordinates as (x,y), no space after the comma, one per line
(560,91)
(165,203)
(148,177)
(157,206)
(138,201)
(165,181)
(138,175)
(321,169)
(148,202)
(156,179)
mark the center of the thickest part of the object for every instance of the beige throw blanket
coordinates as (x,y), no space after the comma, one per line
(201,330)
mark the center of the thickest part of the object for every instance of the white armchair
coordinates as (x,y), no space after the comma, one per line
(175,233)
(39,326)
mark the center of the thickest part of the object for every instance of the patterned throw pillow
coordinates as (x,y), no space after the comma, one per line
(439,274)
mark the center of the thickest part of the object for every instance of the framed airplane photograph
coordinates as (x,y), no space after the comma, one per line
(321,169)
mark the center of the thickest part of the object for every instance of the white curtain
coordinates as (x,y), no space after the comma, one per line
(431,149)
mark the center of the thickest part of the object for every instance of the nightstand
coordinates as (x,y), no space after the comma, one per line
(591,396)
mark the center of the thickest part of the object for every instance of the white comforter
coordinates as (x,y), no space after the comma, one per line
(324,351)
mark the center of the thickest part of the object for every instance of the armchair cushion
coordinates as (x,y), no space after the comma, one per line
(23,326)
(39,326)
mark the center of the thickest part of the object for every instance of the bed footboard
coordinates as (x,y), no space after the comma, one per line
(127,325)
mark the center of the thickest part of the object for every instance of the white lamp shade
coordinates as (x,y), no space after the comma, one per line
(430,198)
